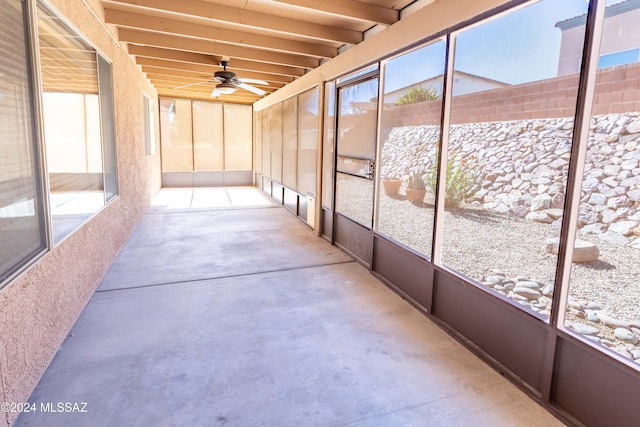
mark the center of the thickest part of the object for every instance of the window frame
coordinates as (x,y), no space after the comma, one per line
(149,126)
(106,111)
(34,84)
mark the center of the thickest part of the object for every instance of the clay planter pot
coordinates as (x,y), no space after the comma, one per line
(416,196)
(392,187)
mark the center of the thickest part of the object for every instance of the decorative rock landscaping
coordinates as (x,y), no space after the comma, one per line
(583,251)
(589,319)
(522,170)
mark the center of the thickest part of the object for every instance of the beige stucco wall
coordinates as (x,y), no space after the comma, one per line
(38,308)
(619,33)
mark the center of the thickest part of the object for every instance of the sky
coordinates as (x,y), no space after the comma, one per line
(520,46)
(517,47)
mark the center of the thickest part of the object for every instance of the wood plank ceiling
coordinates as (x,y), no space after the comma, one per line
(178,43)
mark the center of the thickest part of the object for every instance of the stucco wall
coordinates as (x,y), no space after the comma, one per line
(619,33)
(38,308)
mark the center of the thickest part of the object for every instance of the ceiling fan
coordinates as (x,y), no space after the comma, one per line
(228,82)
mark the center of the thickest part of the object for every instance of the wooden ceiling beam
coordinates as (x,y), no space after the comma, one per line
(175,80)
(200,58)
(247,18)
(173,55)
(214,48)
(178,80)
(162,85)
(203,96)
(210,32)
(247,97)
(206,94)
(349,8)
(203,90)
(174,66)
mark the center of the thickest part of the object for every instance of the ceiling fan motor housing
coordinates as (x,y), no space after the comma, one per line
(227,82)
(225,75)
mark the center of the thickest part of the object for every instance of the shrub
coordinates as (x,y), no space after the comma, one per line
(417,94)
(463,181)
(417,179)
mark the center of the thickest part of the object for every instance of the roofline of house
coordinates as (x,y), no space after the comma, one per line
(440,75)
(614,9)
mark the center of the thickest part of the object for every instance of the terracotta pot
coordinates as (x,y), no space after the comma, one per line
(416,196)
(392,187)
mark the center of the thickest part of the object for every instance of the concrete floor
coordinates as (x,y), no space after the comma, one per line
(226,310)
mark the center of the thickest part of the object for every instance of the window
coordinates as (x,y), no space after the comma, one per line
(307,141)
(619,58)
(288,132)
(266,142)
(603,304)
(328,145)
(208,136)
(372,69)
(290,143)
(356,147)
(176,133)
(509,141)
(238,137)
(149,126)
(79,125)
(410,126)
(22,231)
(276,142)
(108,128)
(258,142)
(204,136)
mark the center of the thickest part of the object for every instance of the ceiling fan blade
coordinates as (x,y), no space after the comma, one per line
(254,81)
(252,89)
(191,84)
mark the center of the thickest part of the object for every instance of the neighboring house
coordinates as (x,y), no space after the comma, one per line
(464,83)
(620,38)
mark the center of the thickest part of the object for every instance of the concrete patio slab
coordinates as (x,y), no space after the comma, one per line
(174,247)
(299,335)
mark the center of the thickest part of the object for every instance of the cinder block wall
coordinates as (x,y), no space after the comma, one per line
(38,309)
(617,91)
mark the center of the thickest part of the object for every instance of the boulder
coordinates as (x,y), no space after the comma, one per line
(528,293)
(623,227)
(611,170)
(539,217)
(583,251)
(583,329)
(614,238)
(619,202)
(597,199)
(634,127)
(593,229)
(540,202)
(557,201)
(626,335)
(634,194)
(555,213)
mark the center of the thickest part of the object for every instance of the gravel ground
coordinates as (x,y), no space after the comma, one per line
(477,243)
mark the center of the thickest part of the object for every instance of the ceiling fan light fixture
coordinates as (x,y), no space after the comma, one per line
(225,88)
